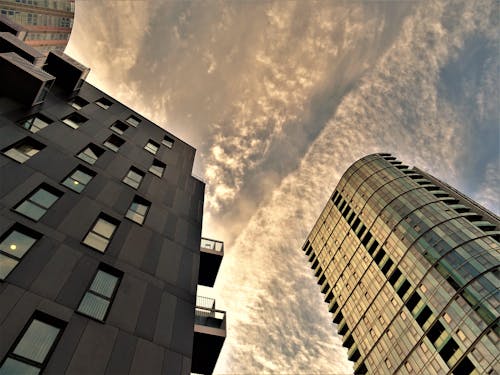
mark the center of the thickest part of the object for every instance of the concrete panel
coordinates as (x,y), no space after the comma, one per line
(54,309)
(172,363)
(164,325)
(122,354)
(186,365)
(170,226)
(169,262)
(9,296)
(133,249)
(146,324)
(148,358)
(182,335)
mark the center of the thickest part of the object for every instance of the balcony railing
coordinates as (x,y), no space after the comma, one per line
(213,245)
(207,315)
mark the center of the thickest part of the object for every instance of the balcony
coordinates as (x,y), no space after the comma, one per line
(211,253)
(209,335)
(10,43)
(69,73)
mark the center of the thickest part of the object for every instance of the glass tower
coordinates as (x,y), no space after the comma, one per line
(409,269)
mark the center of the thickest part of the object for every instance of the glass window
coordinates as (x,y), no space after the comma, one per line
(134,177)
(99,296)
(38,202)
(13,245)
(113,142)
(152,147)
(74,120)
(168,141)
(36,123)
(23,150)
(104,103)
(138,210)
(91,153)
(101,232)
(78,103)
(134,121)
(157,168)
(79,179)
(119,127)
(32,350)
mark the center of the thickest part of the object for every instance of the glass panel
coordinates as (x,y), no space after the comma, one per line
(35,124)
(93,306)
(37,341)
(16,155)
(88,155)
(156,170)
(73,185)
(13,367)
(7,264)
(131,182)
(104,283)
(104,228)
(134,176)
(17,244)
(31,210)
(44,198)
(139,208)
(132,121)
(71,123)
(96,241)
(111,146)
(81,177)
(135,217)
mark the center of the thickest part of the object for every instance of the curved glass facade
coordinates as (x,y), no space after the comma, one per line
(409,268)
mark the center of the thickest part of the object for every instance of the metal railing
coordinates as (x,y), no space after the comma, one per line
(213,245)
(206,314)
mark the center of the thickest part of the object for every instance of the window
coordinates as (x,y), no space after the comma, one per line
(152,147)
(74,120)
(138,210)
(23,150)
(13,245)
(119,127)
(104,103)
(113,142)
(35,123)
(38,202)
(99,236)
(31,351)
(79,179)
(91,153)
(134,121)
(98,298)
(78,103)
(134,177)
(157,168)
(167,141)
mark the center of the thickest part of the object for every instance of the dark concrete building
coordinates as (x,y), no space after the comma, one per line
(409,269)
(100,233)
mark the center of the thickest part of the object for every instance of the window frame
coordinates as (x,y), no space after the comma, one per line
(137,119)
(138,200)
(158,162)
(117,130)
(137,171)
(100,104)
(47,120)
(24,141)
(72,123)
(83,169)
(109,219)
(168,141)
(89,146)
(111,145)
(44,186)
(77,106)
(153,143)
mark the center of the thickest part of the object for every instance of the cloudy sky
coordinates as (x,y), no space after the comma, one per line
(279,98)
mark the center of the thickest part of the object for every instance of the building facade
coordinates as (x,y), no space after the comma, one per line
(42,24)
(409,269)
(100,233)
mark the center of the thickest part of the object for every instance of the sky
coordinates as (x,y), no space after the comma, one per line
(279,98)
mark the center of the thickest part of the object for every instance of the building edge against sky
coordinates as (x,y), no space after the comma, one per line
(409,269)
(100,231)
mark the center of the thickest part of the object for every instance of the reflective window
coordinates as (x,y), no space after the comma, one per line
(79,179)
(138,210)
(134,177)
(152,147)
(157,168)
(99,296)
(38,202)
(91,153)
(13,245)
(23,150)
(74,120)
(101,232)
(36,123)
(113,142)
(168,141)
(104,103)
(78,103)
(119,127)
(134,121)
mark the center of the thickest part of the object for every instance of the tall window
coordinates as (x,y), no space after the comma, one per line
(119,127)
(32,349)
(78,103)
(138,210)
(113,142)
(13,245)
(91,153)
(134,121)
(79,179)
(101,232)
(104,103)
(36,123)
(168,141)
(157,168)
(98,298)
(23,150)
(74,120)
(152,147)
(134,177)
(38,202)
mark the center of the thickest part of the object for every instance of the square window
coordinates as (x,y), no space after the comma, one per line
(152,147)
(134,121)
(79,179)
(31,351)
(14,244)
(100,294)
(113,142)
(168,141)
(23,150)
(78,103)
(38,202)
(157,168)
(74,120)
(119,127)
(101,232)
(138,210)
(35,123)
(134,177)
(90,154)
(104,103)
